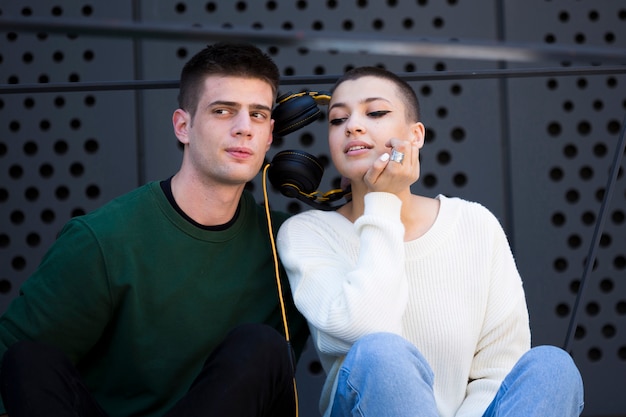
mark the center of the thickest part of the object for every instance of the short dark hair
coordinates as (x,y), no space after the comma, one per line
(223,58)
(410,98)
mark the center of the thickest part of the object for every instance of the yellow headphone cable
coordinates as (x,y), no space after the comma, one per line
(278,283)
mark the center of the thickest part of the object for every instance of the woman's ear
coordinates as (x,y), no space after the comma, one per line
(419,133)
(181,120)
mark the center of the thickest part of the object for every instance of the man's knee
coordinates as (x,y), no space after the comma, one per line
(22,349)
(27,353)
(258,345)
(257,334)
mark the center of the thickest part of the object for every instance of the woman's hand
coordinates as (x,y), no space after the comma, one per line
(390,176)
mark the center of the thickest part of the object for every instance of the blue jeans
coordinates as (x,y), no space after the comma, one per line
(384,374)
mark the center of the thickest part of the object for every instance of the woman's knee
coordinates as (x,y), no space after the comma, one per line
(557,369)
(552,360)
(381,351)
(379,346)
(551,374)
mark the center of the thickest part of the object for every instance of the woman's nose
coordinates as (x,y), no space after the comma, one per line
(353,125)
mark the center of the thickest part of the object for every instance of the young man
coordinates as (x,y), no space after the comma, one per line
(415,304)
(164,301)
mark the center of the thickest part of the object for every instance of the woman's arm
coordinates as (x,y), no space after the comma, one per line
(347,281)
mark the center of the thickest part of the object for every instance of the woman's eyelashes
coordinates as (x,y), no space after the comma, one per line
(374,115)
(378,113)
(337,121)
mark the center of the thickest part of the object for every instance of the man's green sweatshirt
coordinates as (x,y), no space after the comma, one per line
(138,297)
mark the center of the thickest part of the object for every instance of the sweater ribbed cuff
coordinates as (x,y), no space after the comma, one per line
(382,204)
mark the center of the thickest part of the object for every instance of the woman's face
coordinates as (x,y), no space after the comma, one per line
(364,114)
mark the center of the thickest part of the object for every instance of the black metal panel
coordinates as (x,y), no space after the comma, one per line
(61,154)
(564,133)
(535,151)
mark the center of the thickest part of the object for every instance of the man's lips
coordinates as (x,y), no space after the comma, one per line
(240,152)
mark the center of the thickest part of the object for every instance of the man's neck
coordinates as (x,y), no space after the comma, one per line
(206,204)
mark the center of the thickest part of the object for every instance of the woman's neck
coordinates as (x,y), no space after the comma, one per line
(418,213)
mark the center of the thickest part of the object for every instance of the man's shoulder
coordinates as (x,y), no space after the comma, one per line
(124,209)
(129,200)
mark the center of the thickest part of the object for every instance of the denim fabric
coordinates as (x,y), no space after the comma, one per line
(544,382)
(385,375)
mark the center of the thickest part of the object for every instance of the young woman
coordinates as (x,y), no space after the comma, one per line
(415,304)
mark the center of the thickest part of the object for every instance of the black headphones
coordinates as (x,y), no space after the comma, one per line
(298,174)
(294,111)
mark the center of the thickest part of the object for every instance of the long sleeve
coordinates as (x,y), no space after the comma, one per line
(67,300)
(457,296)
(347,279)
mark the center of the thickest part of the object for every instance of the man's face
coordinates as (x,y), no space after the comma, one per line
(230,132)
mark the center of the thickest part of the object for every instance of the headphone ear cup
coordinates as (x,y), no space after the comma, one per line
(294,172)
(293,112)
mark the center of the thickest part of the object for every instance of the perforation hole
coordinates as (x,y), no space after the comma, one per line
(594,354)
(560,264)
(606,285)
(580,332)
(47,216)
(87,10)
(562,310)
(33,240)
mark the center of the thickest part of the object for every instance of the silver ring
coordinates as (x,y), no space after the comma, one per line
(396,156)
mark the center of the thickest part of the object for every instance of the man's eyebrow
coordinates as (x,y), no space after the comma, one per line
(223,103)
(235,104)
(261,107)
(365,101)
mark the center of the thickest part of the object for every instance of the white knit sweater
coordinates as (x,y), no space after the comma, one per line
(455,293)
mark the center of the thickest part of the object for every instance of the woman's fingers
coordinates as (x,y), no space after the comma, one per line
(395,170)
(372,175)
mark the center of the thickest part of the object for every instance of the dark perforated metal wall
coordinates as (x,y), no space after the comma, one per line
(534,150)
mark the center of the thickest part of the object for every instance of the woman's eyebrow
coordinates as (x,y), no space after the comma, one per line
(364,101)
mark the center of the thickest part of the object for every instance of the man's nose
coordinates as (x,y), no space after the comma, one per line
(242,125)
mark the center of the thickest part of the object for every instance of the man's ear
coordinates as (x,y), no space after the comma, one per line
(271,136)
(181,120)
